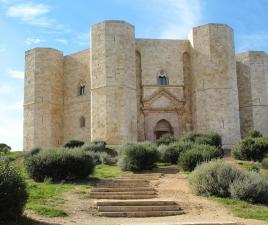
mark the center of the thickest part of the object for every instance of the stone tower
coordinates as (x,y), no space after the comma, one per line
(43,98)
(252,76)
(113,82)
(214,81)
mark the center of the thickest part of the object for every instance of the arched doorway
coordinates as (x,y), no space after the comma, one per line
(162,127)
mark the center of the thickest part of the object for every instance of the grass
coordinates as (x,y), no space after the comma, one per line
(46,198)
(106,171)
(244,209)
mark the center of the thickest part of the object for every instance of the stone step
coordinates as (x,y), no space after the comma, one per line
(138,208)
(92,193)
(139,178)
(118,189)
(122,185)
(126,197)
(136,203)
(141,214)
(189,223)
(125,181)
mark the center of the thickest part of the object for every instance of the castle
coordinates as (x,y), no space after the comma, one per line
(127,89)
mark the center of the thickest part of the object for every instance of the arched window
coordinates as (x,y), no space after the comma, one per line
(82,122)
(162,78)
(162,127)
(82,88)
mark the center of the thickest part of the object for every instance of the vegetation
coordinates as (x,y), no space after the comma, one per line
(73,144)
(4,148)
(138,156)
(251,149)
(165,139)
(198,154)
(211,138)
(264,163)
(250,187)
(13,195)
(244,209)
(59,164)
(213,178)
(252,133)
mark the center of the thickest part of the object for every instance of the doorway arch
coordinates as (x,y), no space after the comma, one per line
(162,127)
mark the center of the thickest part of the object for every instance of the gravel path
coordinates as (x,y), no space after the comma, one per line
(80,209)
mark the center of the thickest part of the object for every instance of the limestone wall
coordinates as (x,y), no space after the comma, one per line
(214,81)
(43,98)
(113,82)
(252,72)
(76,73)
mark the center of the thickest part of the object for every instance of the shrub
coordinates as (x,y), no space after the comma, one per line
(211,138)
(198,154)
(252,148)
(34,151)
(264,163)
(4,148)
(171,153)
(13,195)
(165,139)
(213,178)
(59,164)
(101,158)
(100,146)
(251,187)
(138,156)
(73,144)
(252,133)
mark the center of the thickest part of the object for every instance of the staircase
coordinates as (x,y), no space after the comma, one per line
(132,196)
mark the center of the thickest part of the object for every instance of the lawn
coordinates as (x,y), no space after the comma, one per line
(244,209)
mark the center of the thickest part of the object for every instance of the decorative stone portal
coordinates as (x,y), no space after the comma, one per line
(162,127)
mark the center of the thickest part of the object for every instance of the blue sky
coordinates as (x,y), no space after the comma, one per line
(65,25)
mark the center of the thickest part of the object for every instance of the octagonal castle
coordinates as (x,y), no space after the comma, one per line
(126,89)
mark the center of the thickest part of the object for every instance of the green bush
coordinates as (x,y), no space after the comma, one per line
(264,163)
(73,144)
(211,138)
(99,146)
(213,178)
(59,164)
(4,148)
(165,139)
(13,195)
(34,151)
(101,158)
(171,153)
(251,187)
(198,154)
(138,156)
(252,149)
(252,133)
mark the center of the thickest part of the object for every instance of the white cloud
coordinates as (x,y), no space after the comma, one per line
(82,39)
(16,73)
(62,41)
(27,12)
(179,17)
(256,41)
(5,89)
(31,41)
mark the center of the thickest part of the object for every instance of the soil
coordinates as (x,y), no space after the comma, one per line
(80,208)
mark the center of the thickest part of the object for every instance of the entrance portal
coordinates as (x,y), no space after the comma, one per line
(162,127)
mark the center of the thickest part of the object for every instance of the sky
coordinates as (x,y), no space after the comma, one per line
(65,25)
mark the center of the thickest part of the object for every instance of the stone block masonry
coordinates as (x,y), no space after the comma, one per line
(127,89)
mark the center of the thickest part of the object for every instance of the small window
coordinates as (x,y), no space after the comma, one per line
(82,89)
(162,78)
(82,122)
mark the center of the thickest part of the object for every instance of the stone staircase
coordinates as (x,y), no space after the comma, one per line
(132,196)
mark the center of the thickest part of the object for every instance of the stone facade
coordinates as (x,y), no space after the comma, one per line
(127,89)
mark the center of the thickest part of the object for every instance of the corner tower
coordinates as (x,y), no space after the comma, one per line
(43,98)
(214,88)
(113,82)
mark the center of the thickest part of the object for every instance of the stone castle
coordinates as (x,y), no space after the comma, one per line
(127,89)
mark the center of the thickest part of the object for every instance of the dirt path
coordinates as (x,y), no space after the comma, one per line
(80,208)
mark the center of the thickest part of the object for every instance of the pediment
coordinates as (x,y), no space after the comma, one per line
(162,99)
